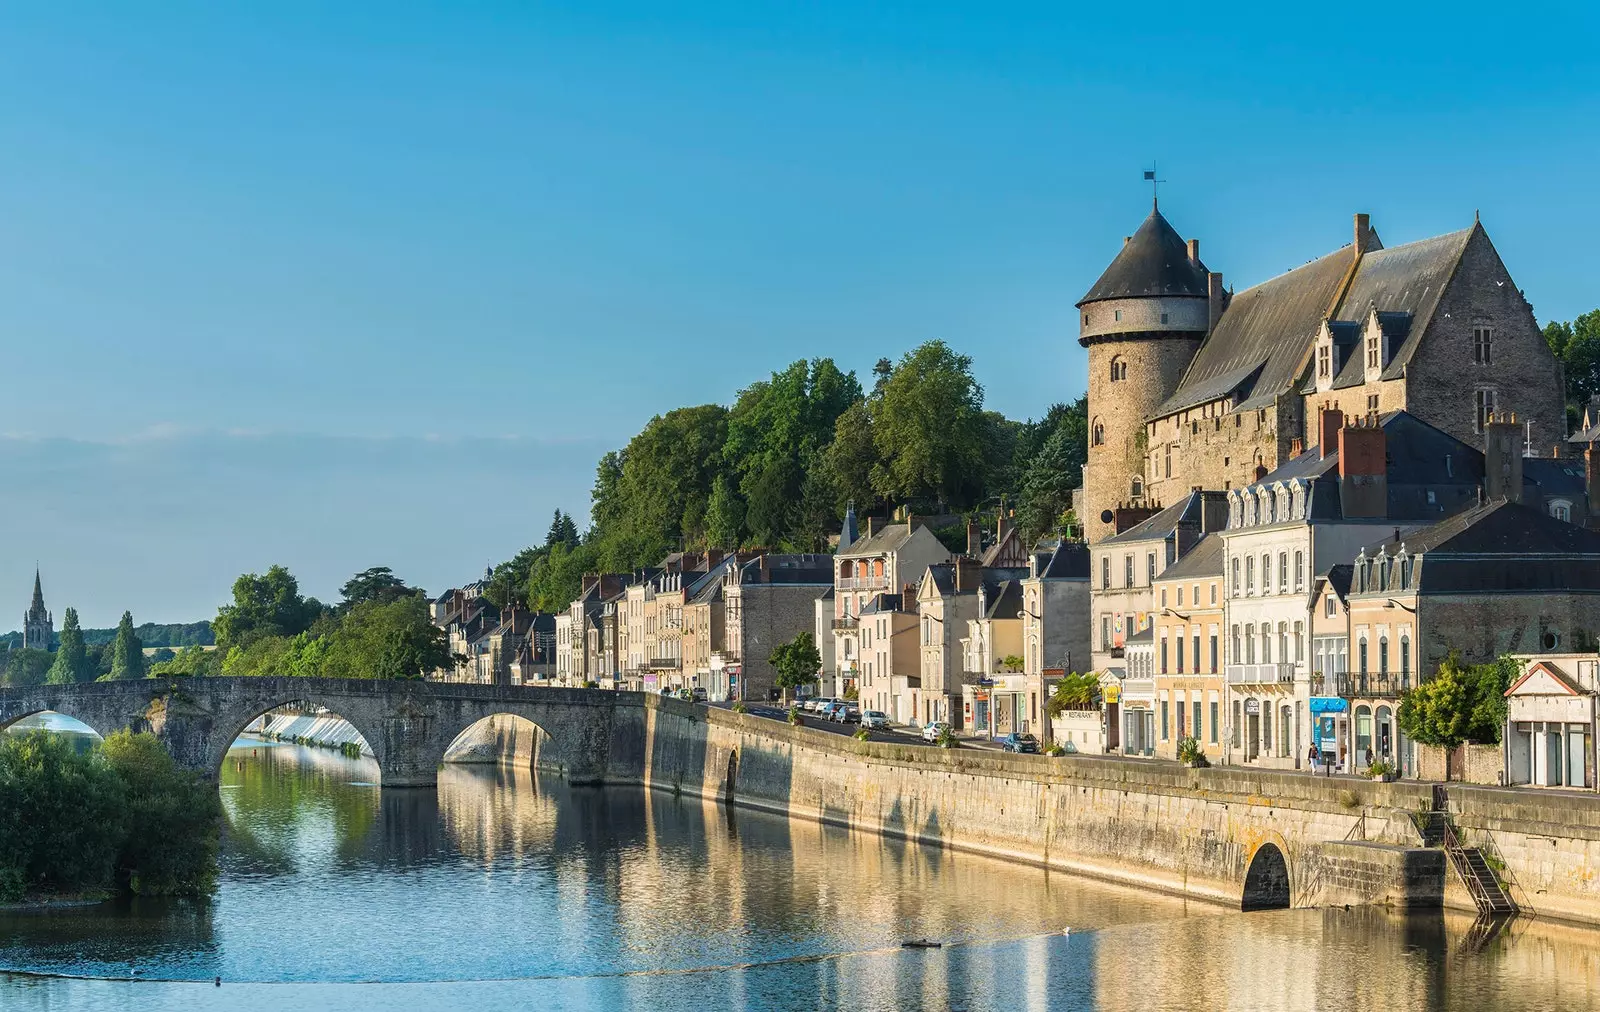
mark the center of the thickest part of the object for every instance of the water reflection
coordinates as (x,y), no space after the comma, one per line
(508,888)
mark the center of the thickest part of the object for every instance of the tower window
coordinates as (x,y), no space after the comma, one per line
(1085,319)
(1116,315)
(1098,436)
(1137,490)
(1119,369)
(1163,317)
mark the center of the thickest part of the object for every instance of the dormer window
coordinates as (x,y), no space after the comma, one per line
(1325,361)
(1374,351)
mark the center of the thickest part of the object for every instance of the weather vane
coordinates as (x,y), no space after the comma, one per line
(1155,185)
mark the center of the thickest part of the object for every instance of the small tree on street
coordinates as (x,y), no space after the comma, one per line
(796,662)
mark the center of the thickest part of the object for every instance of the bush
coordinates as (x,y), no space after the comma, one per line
(123,817)
(1055,748)
(794,715)
(861,734)
(947,738)
(591,684)
(1382,768)
(1190,753)
(853,694)
(739,707)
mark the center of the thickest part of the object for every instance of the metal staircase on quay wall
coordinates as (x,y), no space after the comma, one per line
(1488,892)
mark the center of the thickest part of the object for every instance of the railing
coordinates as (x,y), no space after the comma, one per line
(861,582)
(848,622)
(1260,674)
(1349,684)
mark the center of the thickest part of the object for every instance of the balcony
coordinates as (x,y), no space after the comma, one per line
(1260,674)
(846,623)
(664,663)
(1382,685)
(861,583)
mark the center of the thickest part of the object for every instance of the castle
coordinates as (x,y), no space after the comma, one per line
(38,625)
(1193,386)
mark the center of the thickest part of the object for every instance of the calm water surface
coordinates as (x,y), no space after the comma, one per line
(505,889)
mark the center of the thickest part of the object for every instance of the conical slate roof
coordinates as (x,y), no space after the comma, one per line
(1155,261)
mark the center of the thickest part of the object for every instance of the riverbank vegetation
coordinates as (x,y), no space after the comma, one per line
(121,818)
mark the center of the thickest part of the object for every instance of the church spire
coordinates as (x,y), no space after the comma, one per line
(38,594)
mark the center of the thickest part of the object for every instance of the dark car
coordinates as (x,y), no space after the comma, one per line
(1019,743)
(847,714)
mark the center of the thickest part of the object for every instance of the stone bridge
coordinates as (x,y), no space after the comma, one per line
(408,724)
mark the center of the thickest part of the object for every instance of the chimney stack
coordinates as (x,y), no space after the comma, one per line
(908,598)
(1502,458)
(1363,233)
(1194,251)
(1216,300)
(1363,471)
(974,539)
(1330,420)
(1296,448)
(1591,470)
(872,526)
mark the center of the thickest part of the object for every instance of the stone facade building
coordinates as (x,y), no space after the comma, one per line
(1191,386)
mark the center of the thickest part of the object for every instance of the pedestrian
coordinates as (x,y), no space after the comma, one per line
(1369,757)
(1314,757)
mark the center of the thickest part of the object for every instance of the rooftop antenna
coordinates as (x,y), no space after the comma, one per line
(1155,186)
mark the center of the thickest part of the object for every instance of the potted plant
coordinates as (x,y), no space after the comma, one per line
(947,738)
(1382,771)
(794,715)
(1190,754)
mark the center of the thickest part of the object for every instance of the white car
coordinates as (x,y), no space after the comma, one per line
(933,729)
(874,720)
(815,704)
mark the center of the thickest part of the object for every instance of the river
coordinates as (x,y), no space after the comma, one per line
(508,889)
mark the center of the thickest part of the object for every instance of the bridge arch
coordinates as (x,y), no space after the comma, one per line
(227,728)
(506,738)
(1266,880)
(9,720)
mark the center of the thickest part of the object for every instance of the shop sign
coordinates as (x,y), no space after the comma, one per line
(1111,693)
(1328,704)
(1252,706)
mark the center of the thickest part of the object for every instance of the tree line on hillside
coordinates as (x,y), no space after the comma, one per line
(172,635)
(778,468)
(380,629)
(1576,344)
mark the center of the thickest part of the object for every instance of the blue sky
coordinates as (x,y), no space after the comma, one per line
(358,284)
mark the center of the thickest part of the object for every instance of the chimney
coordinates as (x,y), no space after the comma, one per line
(974,539)
(872,526)
(1329,421)
(1213,511)
(1363,471)
(1502,458)
(968,574)
(1194,251)
(908,598)
(1296,447)
(1591,470)
(1363,234)
(1216,300)
(1002,526)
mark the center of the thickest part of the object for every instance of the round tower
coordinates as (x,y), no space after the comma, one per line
(1142,323)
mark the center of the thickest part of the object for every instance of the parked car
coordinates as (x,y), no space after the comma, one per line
(666,690)
(825,711)
(1019,743)
(849,713)
(816,704)
(698,694)
(933,729)
(874,720)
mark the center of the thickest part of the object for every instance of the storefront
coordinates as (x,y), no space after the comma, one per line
(1550,729)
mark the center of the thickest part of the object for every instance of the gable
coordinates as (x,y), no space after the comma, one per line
(1543,680)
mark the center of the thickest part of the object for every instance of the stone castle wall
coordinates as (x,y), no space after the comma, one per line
(1217,450)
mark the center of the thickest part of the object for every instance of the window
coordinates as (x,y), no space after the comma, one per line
(1180,597)
(1237,652)
(1372,404)
(1163,653)
(1181,715)
(1163,317)
(1383,656)
(1180,652)
(1105,572)
(1484,406)
(1235,578)
(1116,315)
(1236,722)
(1163,597)
(1481,345)
(1105,632)
(1405,657)
(1213,738)
(1325,361)
(1150,566)
(1373,360)
(1362,658)
(1213,651)
(1283,572)
(1085,319)
(1119,369)
(1213,593)
(1098,437)
(1250,575)
(1329,605)
(1136,487)
(1165,733)
(1196,711)
(1561,510)
(1266,643)
(1196,640)
(1168,449)
(1127,570)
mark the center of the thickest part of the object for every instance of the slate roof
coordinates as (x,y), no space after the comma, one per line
(1002,600)
(1202,560)
(1145,635)
(1554,477)
(1269,329)
(887,538)
(1063,560)
(1501,546)
(1185,511)
(1154,261)
(1338,577)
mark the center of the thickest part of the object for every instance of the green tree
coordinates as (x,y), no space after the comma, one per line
(724,515)
(660,500)
(26,666)
(376,584)
(127,653)
(171,820)
(1047,487)
(1460,703)
(929,426)
(851,462)
(64,819)
(188,662)
(796,662)
(1576,345)
(266,605)
(72,661)
(555,578)
(562,531)
(395,639)
(1075,691)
